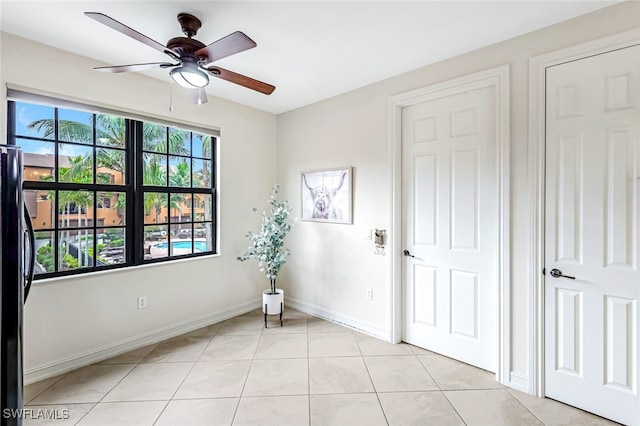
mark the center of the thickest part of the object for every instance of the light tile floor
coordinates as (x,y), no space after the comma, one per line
(309,372)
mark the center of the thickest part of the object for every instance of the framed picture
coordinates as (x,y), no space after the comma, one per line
(326,195)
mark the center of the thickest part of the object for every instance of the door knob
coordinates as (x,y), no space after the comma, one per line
(557,273)
(407,253)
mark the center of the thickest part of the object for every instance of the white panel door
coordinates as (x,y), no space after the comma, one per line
(591,234)
(450,226)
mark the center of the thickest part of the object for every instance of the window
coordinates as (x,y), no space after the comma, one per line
(178,203)
(96,204)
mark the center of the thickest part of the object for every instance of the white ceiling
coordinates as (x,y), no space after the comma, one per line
(310,50)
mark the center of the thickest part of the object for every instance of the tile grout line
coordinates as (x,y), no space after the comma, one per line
(95,404)
(109,391)
(62,376)
(462,390)
(375,390)
(119,381)
(427,371)
(183,379)
(451,390)
(139,361)
(246,379)
(85,414)
(454,407)
(439,387)
(525,407)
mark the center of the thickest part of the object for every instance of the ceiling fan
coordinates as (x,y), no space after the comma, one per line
(193,58)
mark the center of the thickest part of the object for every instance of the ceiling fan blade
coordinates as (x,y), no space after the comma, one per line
(226,46)
(120,27)
(135,67)
(199,96)
(242,80)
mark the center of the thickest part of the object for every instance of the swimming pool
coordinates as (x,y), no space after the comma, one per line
(185,245)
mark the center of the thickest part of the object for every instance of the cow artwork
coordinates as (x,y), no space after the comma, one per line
(327,196)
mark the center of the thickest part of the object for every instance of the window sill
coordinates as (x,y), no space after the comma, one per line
(89,275)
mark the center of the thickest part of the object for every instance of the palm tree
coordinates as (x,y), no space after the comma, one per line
(64,203)
(80,170)
(154,139)
(111,159)
(154,175)
(83,201)
(121,204)
(179,176)
(111,132)
(205,175)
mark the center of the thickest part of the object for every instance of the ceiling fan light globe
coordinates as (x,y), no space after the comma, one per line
(189,78)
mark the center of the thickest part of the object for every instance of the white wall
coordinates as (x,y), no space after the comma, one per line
(332,265)
(68,318)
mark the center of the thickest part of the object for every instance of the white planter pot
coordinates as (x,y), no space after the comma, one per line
(273,302)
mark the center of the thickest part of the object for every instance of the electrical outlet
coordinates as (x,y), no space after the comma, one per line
(142,302)
(369,294)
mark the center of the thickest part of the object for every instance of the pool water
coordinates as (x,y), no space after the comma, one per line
(187,245)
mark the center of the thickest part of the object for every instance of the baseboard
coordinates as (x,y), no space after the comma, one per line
(53,369)
(352,323)
(518,381)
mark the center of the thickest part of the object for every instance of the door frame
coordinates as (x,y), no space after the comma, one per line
(497,78)
(537,129)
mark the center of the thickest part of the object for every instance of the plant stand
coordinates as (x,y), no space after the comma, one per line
(281,312)
(273,304)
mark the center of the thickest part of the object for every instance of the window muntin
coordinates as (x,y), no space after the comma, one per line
(177,205)
(79,187)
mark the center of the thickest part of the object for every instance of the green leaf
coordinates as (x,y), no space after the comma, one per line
(267,245)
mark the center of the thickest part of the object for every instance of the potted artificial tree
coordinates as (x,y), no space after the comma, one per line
(267,247)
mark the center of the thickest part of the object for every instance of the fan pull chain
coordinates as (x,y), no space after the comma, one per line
(171,95)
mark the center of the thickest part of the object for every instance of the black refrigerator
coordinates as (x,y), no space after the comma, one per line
(17,257)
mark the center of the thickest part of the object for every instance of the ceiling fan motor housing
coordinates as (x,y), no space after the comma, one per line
(184,46)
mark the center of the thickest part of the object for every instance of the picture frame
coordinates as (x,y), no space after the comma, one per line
(326,195)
